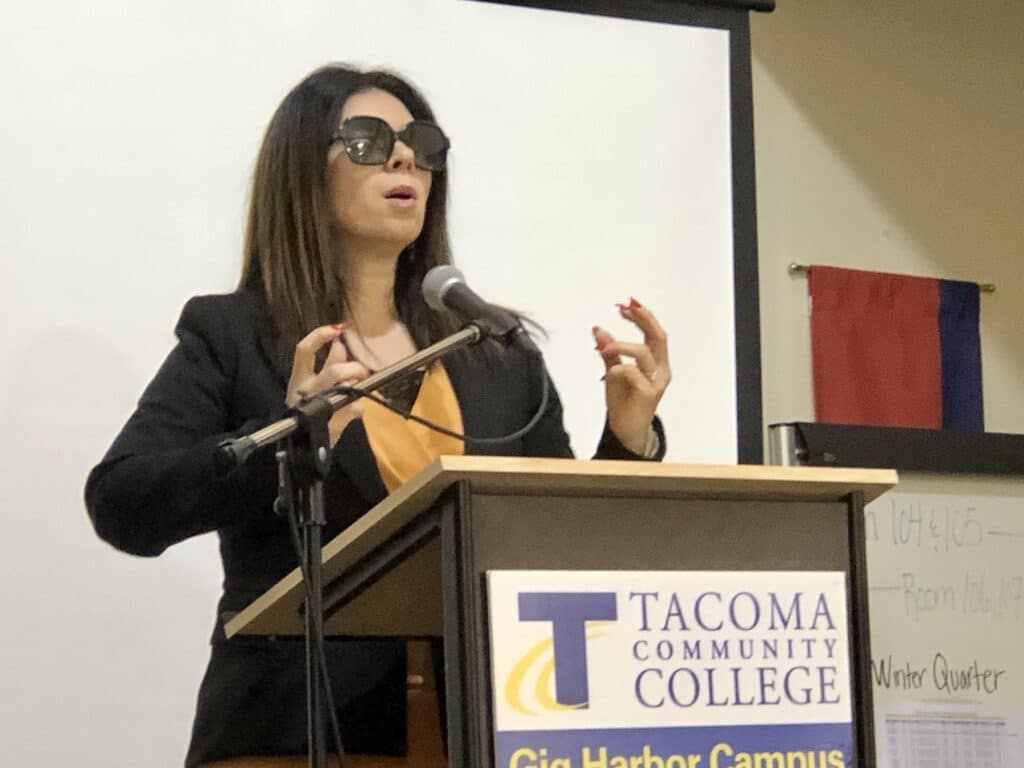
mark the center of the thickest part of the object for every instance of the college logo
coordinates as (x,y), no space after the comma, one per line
(564,654)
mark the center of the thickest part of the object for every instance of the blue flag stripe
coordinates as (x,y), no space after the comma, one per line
(960,344)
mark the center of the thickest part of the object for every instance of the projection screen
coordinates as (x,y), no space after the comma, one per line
(592,161)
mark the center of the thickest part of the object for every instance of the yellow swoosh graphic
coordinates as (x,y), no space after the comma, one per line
(517,676)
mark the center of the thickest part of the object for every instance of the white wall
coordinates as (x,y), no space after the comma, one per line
(590,163)
(888,137)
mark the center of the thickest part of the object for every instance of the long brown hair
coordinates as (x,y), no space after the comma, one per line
(289,258)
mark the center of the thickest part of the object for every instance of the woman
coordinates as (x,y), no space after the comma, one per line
(347,216)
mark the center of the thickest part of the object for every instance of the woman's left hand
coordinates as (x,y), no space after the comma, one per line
(634,389)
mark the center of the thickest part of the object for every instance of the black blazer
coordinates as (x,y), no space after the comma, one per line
(159,484)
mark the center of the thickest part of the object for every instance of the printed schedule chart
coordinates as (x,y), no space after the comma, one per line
(946,742)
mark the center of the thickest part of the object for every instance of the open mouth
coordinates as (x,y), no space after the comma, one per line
(401,193)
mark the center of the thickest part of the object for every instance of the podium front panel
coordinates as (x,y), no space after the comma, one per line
(573,533)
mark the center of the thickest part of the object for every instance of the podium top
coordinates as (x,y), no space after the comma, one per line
(524,476)
(495,474)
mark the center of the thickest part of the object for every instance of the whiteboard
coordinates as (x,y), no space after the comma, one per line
(591,161)
(946,594)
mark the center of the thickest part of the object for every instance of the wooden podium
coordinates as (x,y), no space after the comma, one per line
(415,564)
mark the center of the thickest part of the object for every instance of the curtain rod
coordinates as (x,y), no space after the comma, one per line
(799,269)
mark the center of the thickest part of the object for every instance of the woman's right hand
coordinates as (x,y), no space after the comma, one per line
(306,381)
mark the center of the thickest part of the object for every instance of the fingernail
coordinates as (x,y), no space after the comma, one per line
(594,330)
(634,304)
(622,307)
(338,326)
(600,346)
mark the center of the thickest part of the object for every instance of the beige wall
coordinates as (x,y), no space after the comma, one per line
(890,136)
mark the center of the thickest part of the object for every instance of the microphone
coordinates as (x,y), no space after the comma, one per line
(444,288)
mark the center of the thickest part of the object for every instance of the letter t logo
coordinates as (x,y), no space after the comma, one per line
(568,613)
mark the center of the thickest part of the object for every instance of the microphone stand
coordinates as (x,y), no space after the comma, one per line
(304,461)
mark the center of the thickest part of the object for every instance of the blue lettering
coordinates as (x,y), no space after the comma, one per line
(756,617)
(698,608)
(675,611)
(644,627)
(636,650)
(720,649)
(822,611)
(736,686)
(788,684)
(694,684)
(664,649)
(711,690)
(691,650)
(777,615)
(827,680)
(766,682)
(638,689)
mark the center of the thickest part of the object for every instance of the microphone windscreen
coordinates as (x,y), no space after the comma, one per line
(437,282)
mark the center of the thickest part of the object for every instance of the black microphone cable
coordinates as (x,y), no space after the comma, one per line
(321,654)
(468,439)
(319,649)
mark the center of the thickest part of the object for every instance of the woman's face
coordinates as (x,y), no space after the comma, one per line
(374,203)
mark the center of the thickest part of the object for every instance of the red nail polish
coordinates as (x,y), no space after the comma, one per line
(634,304)
(338,326)
(600,346)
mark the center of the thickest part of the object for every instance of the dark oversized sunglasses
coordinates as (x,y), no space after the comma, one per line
(370,141)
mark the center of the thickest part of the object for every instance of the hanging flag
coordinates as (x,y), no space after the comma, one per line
(894,350)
